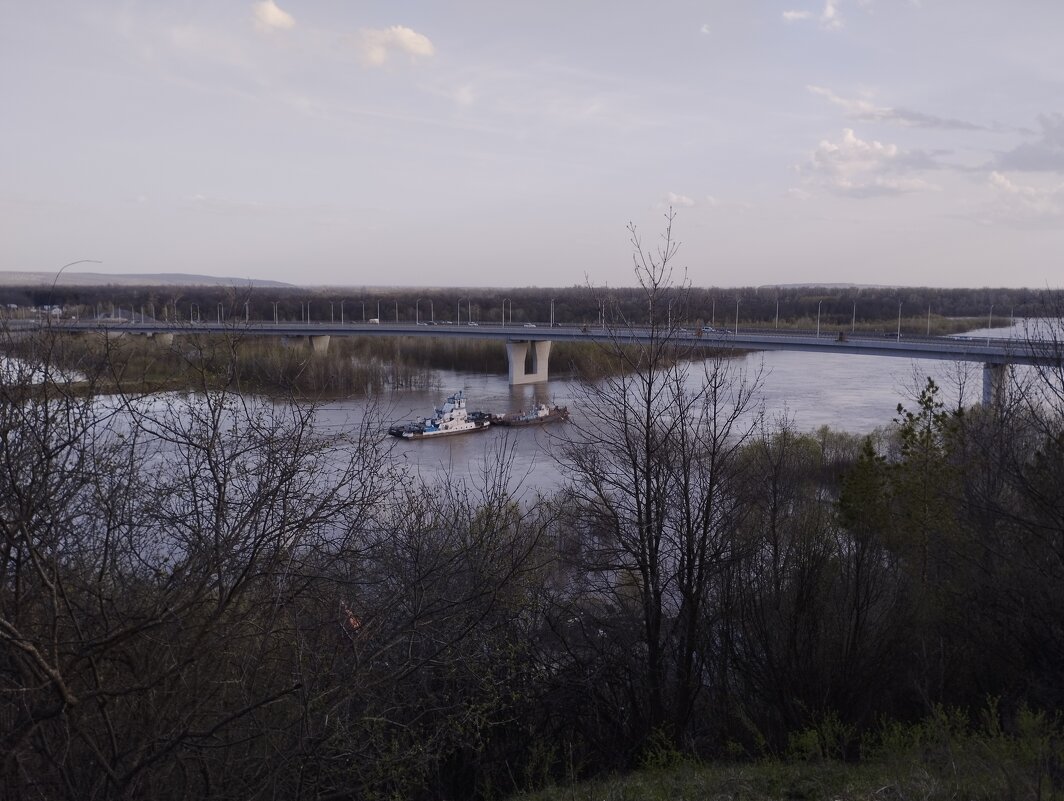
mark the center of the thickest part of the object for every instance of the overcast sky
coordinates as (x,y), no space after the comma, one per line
(487,142)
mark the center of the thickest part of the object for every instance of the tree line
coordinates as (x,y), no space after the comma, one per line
(767,306)
(203,594)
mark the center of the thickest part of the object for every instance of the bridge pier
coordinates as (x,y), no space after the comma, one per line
(163,340)
(517,352)
(319,344)
(994,376)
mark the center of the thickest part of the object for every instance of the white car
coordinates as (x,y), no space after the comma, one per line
(530,325)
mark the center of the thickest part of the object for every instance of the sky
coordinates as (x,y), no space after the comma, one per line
(498,143)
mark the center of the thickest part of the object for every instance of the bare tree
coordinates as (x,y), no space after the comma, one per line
(652,463)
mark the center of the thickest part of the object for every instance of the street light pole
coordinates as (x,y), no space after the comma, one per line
(432,311)
(777,313)
(417,312)
(989,323)
(275,312)
(853,322)
(899,320)
(341,312)
(552,312)
(59,272)
(460,310)
(737,315)
(818,305)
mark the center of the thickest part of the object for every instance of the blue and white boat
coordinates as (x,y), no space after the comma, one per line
(450,417)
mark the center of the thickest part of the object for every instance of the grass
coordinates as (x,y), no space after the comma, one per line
(948,755)
(804,781)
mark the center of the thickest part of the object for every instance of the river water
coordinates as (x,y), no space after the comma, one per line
(856,394)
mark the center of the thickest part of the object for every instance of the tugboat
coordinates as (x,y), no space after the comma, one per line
(538,415)
(450,418)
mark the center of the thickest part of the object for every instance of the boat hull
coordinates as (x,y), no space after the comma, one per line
(554,416)
(407,434)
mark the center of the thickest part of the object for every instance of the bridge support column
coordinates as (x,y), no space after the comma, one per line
(319,344)
(517,352)
(994,375)
(163,340)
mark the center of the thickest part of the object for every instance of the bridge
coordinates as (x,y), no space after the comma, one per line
(535,340)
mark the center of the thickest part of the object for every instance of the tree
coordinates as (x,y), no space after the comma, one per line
(653,464)
(151,549)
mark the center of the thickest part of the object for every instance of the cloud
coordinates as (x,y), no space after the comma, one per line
(794,193)
(860,168)
(705,28)
(377,44)
(1046,154)
(1026,205)
(269,17)
(674,199)
(866,111)
(829,17)
(464,95)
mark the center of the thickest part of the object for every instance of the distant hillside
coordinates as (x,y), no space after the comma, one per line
(71,278)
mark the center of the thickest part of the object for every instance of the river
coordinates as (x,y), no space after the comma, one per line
(856,394)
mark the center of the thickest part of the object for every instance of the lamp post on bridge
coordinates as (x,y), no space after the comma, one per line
(432,311)
(417,312)
(341,312)
(397,309)
(504,302)
(332,319)
(552,312)
(989,323)
(777,312)
(737,316)
(459,321)
(853,322)
(819,303)
(275,312)
(899,320)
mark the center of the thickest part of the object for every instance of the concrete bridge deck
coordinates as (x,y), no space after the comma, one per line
(521,339)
